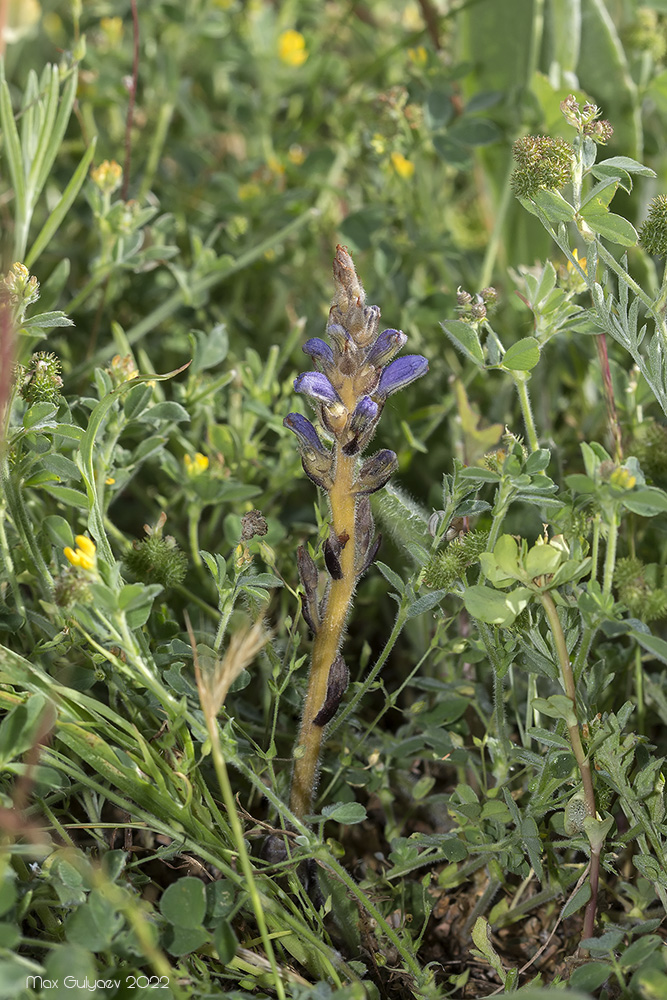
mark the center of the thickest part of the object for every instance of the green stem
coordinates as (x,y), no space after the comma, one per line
(610,554)
(239,841)
(583,762)
(328,637)
(521,383)
(364,688)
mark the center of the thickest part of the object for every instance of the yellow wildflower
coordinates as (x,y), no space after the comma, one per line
(403,167)
(292,48)
(622,479)
(378,144)
(109,481)
(112,29)
(84,555)
(418,56)
(195,466)
(581,261)
(107,176)
(248,191)
(295,154)
(275,166)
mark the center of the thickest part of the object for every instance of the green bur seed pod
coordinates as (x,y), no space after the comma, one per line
(541,162)
(576,812)
(157,559)
(40,380)
(653,234)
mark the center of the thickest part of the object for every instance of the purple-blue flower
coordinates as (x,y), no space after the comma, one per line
(364,414)
(385,347)
(319,351)
(400,373)
(317,386)
(304,430)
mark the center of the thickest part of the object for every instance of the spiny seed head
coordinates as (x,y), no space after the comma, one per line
(542,162)
(653,234)
(157,559)
(40,379)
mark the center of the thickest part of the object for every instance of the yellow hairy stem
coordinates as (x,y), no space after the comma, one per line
(330,632)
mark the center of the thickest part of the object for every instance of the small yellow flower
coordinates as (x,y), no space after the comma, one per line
(378,144)
(292,48)
(275,166)
(122,369)
(622,479)
(249,191)
(109,481)
(418,56)
(295,154)
(84,556)
(112,29)
(403,167)
(581,261)
(195,466)
(107,176)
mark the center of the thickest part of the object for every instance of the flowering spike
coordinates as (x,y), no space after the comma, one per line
(400,373)
(349,389)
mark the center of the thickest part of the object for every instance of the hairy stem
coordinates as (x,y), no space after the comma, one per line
(577,748)
(521,383)
(328,638)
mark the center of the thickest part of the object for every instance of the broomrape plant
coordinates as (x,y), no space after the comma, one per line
(349,386)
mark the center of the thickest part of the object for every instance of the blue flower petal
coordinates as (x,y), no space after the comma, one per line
(304,430)
(400,373)
(317,386)
(385,347)
(364,414)
(320,351)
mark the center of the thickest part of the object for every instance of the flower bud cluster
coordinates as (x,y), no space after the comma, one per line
(541,162)
(18,289)
(352,377)
(585,120)
(473,308)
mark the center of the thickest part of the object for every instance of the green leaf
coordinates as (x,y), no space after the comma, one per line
(173,412)
(557,706)
(652,643)
(183,903)
(551,204)
(465,339)
(542,560)
(640,950)
(612,227)
(85,456)
(346,813)
(47,321)
(489,606)
(425,603)
(482,939)
(592,975)
(225,941)
(628,164)
(522,356)
(55,219)
(646,502)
